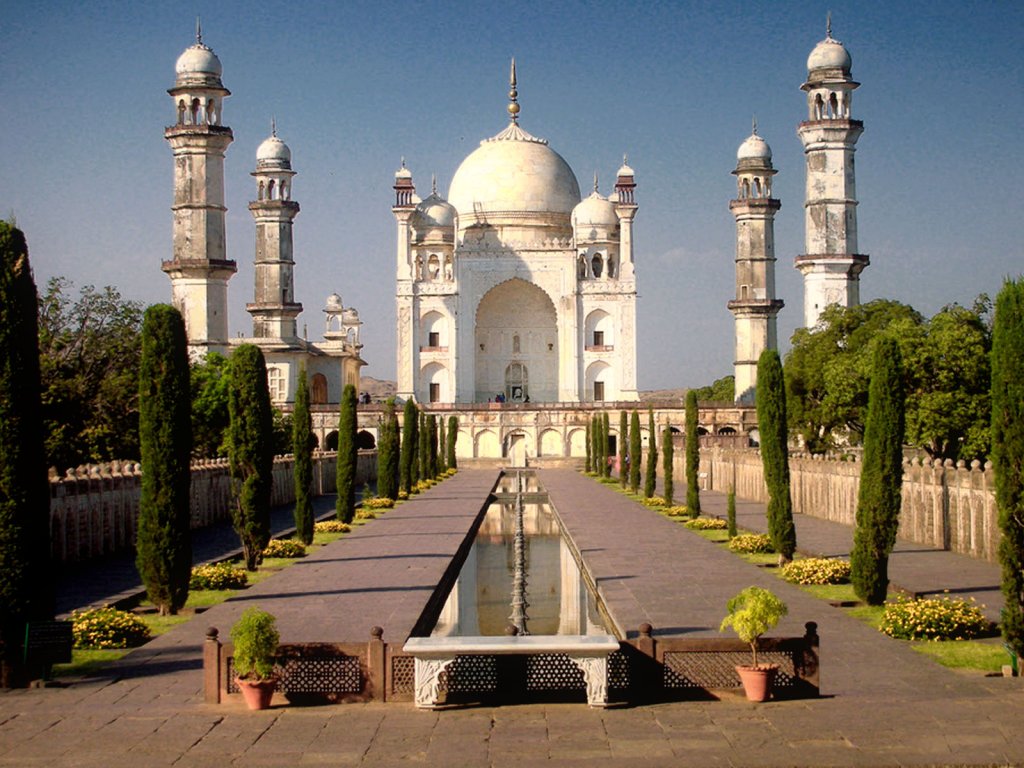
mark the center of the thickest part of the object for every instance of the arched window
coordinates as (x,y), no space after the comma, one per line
(261,191)
(181,112)
(757,187)
(819,107)
(195,111)
(271,190)
(745,189)
(517,383)
(833,106)
(596,265)
(433,266)
(276,383)
(211,112)
(516,347)
(583,266)
(611,266)
(318,389)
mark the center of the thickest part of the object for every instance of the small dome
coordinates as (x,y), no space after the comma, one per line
(334,303)
(829,54)
(198,60)
(625,170)
(595,211)
(434,212)
(273,151)
(403,172)
(754,148)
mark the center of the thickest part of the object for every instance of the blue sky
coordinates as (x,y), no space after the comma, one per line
(357,86)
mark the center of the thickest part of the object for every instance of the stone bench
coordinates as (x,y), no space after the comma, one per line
(434,654)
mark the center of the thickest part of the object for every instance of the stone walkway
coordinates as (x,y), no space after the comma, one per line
(883,704)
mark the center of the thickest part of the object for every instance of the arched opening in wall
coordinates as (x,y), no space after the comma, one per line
(578,442)
(595,265)
(550,443)
(433,266)
(318,389)
(449,268)
(261,191)
(582,266)
(819,107)
(611,266)
(727,431)
(757,187)
(434,384)
(701,431)
(744,291)
(516,308)
(745,189)
(331,441)
(195,111)
(487,445)
(365,441)
(271,190)
(674,430)
(599,331)
(181,111)
(314,442)
(211,112)
(600,382)
(434,330)
(517,383)
(833,106)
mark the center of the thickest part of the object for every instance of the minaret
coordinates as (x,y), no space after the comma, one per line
(625,209)
(830,264)
(755,305)
(404,208)
(274,308)
(199,269)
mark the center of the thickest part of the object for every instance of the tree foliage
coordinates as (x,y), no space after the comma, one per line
(387,453)
(163,548)
(606,467)
(251,451)
(623,448)
(881,476)
(651,477)
(722,390)
(432,468)
(410,449)
(635,452)
(589,446)
(442,449)
(26,590)
(945,370)
(453,438)
(302,449)
(1008,452)
(89,348)
(772,426)
(210,417)
(668,459)
(692,455)
(348,455)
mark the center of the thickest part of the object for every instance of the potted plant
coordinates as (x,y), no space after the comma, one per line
(255,640)
(752,612)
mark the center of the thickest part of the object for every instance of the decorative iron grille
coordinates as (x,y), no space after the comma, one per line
(403,674)
(717,669)
(470,674)
(552,672)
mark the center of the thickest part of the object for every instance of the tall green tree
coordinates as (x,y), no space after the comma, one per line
(251,451)
(635,452)
(623,448)
(424,444)
(89,348)
(730,512)
(163,547)
(210,418)
(302,450)
(595,452)
(881,477)
(26,588)
(442,447)
(589,446)
(605,446)
(1008,452)
(651,477)
(410,417)
(668,459)
(692,455)
(388,454)
(431,446)
(453,438)
(772,425)
(348,455)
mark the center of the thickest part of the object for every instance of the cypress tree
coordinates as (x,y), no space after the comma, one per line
(730,511)
(26,589)
(453,439)
(414,448)
(771,423)
(635,456)
(651,478)
(1008,452)
(442,449)
(387,453)
(348,455)
(163,548)
(424,453)
(881,476)
(250,451)
(302,450)
(668,459)
(588,440)
(432,446)
(408,448)
(605,447)
(623,448)
(692,455)
(595,456)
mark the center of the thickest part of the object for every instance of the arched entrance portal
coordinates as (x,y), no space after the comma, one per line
(516,344)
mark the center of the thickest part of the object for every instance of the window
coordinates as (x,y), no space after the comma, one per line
(598,338)
(598,391)
(434,339)
(435,392)
(276,383)
(318,389)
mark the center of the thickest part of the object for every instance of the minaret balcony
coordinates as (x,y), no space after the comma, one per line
(599,348)
(756,306)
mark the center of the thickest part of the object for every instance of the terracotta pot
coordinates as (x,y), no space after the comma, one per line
(257,693)
(758,681)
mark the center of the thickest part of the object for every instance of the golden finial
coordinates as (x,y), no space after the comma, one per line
(754,126)
(513,94)
(828,26)
(273,126)
(595,181)
(199,31)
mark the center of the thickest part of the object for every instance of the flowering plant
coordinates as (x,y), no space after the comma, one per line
(817,570)
(706,524)
(939,618)
(218,576)
(381,502)
(285,548)
(332,526)
(107,628)
(751,543)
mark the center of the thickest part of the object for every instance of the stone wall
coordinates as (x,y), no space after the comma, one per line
(944,505)
(94,509)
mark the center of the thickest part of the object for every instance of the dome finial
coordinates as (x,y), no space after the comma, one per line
(433,183)
(403,161)
(595,181)
(273,126)
(199,31)
(753,129)
(513,94)
(828,26)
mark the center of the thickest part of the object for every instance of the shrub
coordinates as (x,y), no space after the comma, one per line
(450,472)
(332,526)
(218,576)
(285,548)
(679,510)
(933,619)
(366,514)
(706,524)
(108,628)
(403,495)
(751,613)
(751,543)
(423,485)
(378,503)
(817,570)
(255,639)
(654,502)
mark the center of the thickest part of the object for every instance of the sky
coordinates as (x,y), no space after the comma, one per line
(355,87)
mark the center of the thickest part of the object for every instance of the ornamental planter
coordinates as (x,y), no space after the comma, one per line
(257,693)
(758,681)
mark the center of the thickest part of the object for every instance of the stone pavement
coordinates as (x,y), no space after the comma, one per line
(883,704)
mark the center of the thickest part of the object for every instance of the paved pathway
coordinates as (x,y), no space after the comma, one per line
(883,704)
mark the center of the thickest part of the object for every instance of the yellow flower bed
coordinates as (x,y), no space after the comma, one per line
(751,543)
(285,548)
(706,524)
(940,618)
(332,526)
(108,628)
(817,570)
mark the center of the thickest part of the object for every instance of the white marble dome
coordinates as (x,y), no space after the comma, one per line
(514,173)
(434,211)
(595,211)
(273,151)
(198,60)
(334,303)
(829,54)
(754,148)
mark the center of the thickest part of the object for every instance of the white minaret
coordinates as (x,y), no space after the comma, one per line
(755,305)
(407,352)
(830,264)
(274,308)
(199,270)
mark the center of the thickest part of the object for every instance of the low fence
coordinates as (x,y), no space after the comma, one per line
(94,510)
(645,669)
(945,505)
